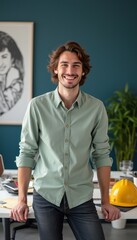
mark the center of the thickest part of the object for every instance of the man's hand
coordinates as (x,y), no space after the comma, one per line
(20,212)
(110,212)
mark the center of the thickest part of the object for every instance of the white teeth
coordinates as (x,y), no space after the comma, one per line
(69,78)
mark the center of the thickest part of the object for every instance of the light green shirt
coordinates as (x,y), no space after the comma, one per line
(60,143)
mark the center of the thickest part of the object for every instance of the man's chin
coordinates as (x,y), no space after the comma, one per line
(71,86)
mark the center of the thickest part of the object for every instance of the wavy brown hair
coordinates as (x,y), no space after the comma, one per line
(71,47)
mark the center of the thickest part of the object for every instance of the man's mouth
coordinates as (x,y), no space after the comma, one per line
(70,77)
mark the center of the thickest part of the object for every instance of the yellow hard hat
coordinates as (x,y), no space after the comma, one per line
(124,193)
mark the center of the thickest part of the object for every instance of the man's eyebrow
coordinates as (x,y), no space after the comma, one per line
(77,63)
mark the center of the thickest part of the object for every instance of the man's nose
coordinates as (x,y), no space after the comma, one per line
(70,70)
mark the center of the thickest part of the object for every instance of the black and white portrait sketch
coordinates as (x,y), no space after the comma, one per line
(11,73)
(16,70)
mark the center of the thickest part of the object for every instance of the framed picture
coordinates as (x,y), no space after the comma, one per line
(1,165)
(16,67)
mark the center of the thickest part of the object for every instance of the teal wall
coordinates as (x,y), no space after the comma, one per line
(106,28)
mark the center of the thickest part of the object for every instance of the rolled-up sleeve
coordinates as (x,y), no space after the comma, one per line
(101,148)
(29,139)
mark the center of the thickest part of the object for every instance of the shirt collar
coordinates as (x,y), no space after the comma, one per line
(79,99)
(58,100)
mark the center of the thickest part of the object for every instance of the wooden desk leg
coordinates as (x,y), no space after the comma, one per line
(6,227)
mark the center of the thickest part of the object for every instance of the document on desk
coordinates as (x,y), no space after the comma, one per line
(10,203)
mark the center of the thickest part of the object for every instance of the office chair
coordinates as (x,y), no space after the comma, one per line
(30,223)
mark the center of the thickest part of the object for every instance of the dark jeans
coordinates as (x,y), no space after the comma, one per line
(82,219)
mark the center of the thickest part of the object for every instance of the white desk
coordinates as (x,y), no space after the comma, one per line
(5,213)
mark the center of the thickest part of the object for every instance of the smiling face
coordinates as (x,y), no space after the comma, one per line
(69,70)
(5,61)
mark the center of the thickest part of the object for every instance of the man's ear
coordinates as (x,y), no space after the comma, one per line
(55,71)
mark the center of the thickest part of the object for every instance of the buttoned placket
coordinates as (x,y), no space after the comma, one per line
(66,148)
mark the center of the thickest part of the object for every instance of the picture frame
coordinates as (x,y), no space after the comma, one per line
(16,70)
(1,165)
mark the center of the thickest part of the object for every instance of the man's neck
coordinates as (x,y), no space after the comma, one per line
(68,96)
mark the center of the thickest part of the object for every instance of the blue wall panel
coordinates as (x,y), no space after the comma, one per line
(107,29)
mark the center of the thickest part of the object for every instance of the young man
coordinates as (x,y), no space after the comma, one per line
(65,128)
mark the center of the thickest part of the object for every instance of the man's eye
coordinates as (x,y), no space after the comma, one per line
(64,65)
(76,65)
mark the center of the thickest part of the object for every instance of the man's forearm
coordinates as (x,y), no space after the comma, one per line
(24,175)
(103,174)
